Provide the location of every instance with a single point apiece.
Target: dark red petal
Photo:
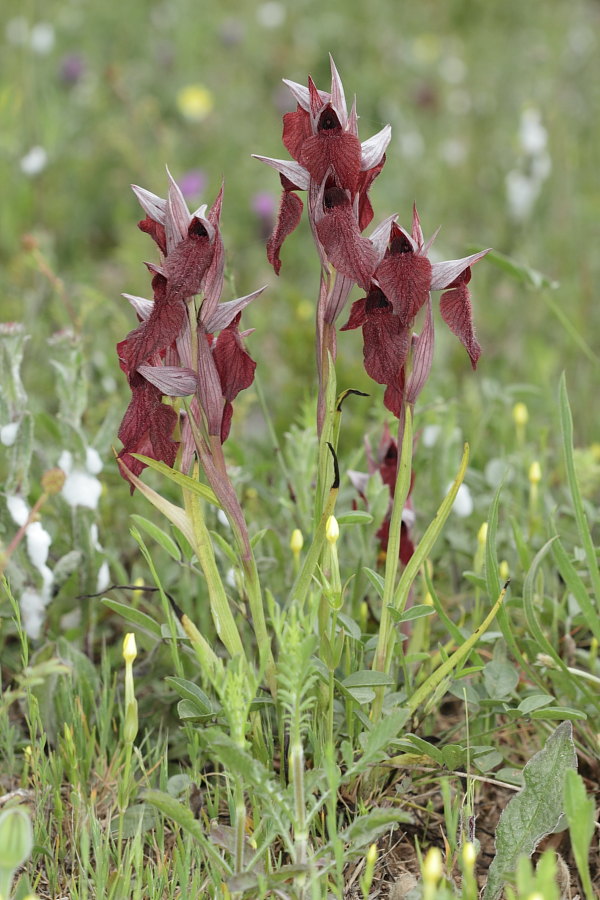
(186, 265)
(386, 344)
(159, 330)
(357, 315)
(407, 547)
(147, 426)
(336, 149)
(405, 279)
(455, 306)
(350, 253)
(156, 232)
(365, 180)
(393, 398)
(296, 129)
(290, 213)
(234, 364)
(226, 421)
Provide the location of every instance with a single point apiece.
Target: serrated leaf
(135, 616)
(534, 812)
(165, 541)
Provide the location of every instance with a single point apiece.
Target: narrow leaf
(136, 616)
(165, 541)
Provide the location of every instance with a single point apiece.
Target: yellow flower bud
(535, 473)
(332, 530)
(432, 866)
(296, 541)
(520, 415)
(129, 647)
(504, 571)
(469, 855)
(482, 534)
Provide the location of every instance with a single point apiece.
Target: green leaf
(378, 739)
(535, 701)
(500, 679)
(165, 541)
(375, 579)
(577, 587)
(184, 481)
(366, 828)
(180, 813)
(190, 691)
(135, 616)
(412, 743)
(415, 612)
(581, 816)
(357, 517)
(367, 678)
(535, 811)
(139, 817)
(558, 712)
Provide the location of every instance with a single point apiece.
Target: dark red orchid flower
(401, 285)
(337, 171)
(165, 357)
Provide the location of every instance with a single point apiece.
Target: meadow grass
(323, 775)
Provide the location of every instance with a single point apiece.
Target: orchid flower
(174, 351)
(401, 285)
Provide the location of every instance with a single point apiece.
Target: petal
(374, 148)
(358, 315)
(178, 215)
(336, 149)
(142, 306)
(225, 313)
(290, 213)
(234, 364)
(417, 231)
(444, 273)
(293, 171)
(404, 279)
(455, 306)
(422, 356)
(349, 252)
(386, 344)
(380, 236)
(338, 98)
(365, 180)
(153, 206)
(157, 332)
(296, 129)
(156, 232)
(172, 381)
(301, 94)
(188, 262)
(336, 300)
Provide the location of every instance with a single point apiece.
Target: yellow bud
(432, 867)
(482, 534)
(504, 571)
(520, 414)
(535, 896)
(372, 855)
(469, 855)
(139, 582)
(296, 541)
(332, 530)
(535, 473)
(428, 599)
(129, 648)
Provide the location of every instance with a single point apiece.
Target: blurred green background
(494, 109)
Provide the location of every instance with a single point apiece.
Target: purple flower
(192, 183)
(72, 68)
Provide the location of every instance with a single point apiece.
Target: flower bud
(469, 855)
(296, 542)
(482, 534)
(520, 415)
(53, 481)
(332, 530)
(129, 647)
(504, 571)
(16, 837)
(535, 473)
(432, 866)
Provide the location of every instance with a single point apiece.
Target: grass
(324, 775)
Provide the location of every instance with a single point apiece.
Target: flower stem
(382, 658)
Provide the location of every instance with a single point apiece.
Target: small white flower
(8, 433)
(82, 489)
(103, 579)
(93, 463)
(41, 39)
(18, 509)
(430, 435)
(463, 505)
(38, 544)
(532, 134)
(34, 161)
(32, 612)
(271, 15)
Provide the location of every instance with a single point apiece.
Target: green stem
(386, 638)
